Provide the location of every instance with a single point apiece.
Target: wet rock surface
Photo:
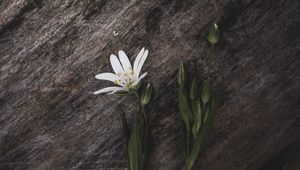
(50, 51)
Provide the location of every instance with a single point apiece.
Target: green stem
(189, 165)
(142, 109)
(188, 142)
(125, 126)
(136, 94)
(145, 119)
(142, 123)
(126, 133)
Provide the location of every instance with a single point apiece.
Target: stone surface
(50, 51)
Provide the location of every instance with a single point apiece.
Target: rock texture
(50, 51)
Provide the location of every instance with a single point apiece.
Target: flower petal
(107, 76)
(138, 59)
(139, 79)
(109, 89)
(124, 61)
(115, 63)
(142, 76)
(141, 63)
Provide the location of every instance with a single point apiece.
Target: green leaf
(132, 152)
(207, 110)
(205, 94)
(193, 90)
(201, 138)
(136, 145)
(184, 107)
(211, 109)
(125, 127)
(186, 115)
(197, 118)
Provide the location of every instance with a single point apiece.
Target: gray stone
(50, 51)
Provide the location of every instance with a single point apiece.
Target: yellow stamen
(117, 81)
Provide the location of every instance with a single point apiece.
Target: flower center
(126, 79)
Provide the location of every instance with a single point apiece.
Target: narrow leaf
(205, 94)
(125, 127)
(184, 107)
(197, 118)
(193, 90)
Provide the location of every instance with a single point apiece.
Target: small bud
(181, 75)
(213, 36)
(146, 95)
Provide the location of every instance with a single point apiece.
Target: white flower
(125, 76)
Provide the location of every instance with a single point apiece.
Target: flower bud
(181, 75)
(213, 36)
(146, 94)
